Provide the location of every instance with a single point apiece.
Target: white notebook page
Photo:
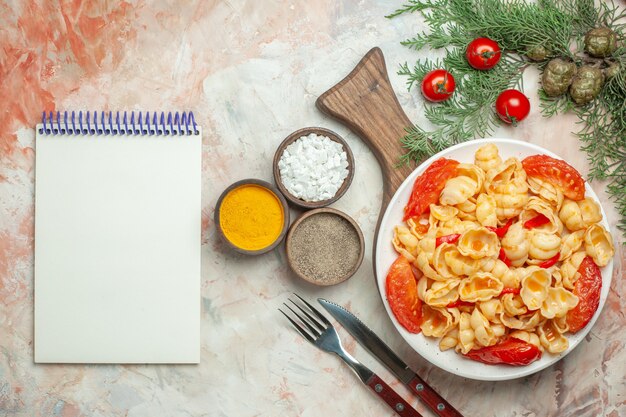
(117, 249)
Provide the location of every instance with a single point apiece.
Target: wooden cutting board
(366, 103)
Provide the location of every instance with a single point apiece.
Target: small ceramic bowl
(279, 197)
(292, 261)
(320, 132)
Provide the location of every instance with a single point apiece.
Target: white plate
(428, 347)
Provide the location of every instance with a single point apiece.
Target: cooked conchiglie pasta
(558, 302)
(461, 264)
(551, 339)
(405, 243)
(516, 244)
(571, 243)
(535, 207)
(544, 245)
(546, 191)
(569, 269)
(484, 276)
(599, 244)
(435, 321)
(487, 157)
(481, 286)
(479, 243)
(535, 288)
(441, 293)
(483, 333)
(486, 210)
(457, 190)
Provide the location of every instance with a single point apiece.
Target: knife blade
(379, 349)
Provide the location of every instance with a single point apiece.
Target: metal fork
(316, 328)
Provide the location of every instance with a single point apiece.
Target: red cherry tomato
(428, 186)
(438, 85)
(402, 295)
(511, 351)
(558, 173)
(483, 53)
(549, 262)
(587, 289)
(512, 106)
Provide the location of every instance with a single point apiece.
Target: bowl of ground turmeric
(252, 217)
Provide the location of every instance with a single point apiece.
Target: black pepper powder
(324, 247)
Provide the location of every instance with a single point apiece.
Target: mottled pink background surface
(251, 71)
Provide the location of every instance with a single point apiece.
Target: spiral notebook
(117, 238)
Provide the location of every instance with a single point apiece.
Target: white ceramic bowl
(428, 347)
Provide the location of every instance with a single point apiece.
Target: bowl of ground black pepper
(325, 246)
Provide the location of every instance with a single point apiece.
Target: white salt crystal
(313, 167)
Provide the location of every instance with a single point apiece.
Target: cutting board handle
(367, 104)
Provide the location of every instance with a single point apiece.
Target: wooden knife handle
(434, 401)
(393, 400)
(367, 104)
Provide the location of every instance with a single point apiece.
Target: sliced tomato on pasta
(401, 289)
(511, 351)
(428, 186)
(587, 289)
(556, 172)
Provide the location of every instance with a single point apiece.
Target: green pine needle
(517, 26)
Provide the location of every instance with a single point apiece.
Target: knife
(368, 339)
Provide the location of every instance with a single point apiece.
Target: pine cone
(557, 77)
(586, 85)
(537, 53)
(600, 42)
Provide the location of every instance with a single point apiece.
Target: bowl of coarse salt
(313, 167)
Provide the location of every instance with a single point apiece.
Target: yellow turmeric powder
(251, 217)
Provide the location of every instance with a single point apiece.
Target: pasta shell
(457, 190)
(405, 242)
(449, 340)
(599, 244)
(421, 262)
(544, 245)
(516, 244)
(435, 321)
(535, 288)
(537, 206)
(481, 286)
(513, 305)
(483, 333)
(569, 269)
(466, 334)
(577, 215)
(558, 303)
(439, 261)
(524, 322)
(460, 264)
(443, 213)
(571, 243)
(548, 192)
(487, 157)
(551, 339)
(479, 243)
(486, 210)
(419, 228)
(440, 294)
(474, 172)
(491, 309)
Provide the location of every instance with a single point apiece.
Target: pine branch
(518, 25)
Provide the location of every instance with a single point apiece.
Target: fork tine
(313, 319)
(298, 328)
(317, 313)
(316, 332)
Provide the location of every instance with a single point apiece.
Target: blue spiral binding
(144, 124)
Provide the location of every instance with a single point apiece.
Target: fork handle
(434, 401)
(393, 400)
